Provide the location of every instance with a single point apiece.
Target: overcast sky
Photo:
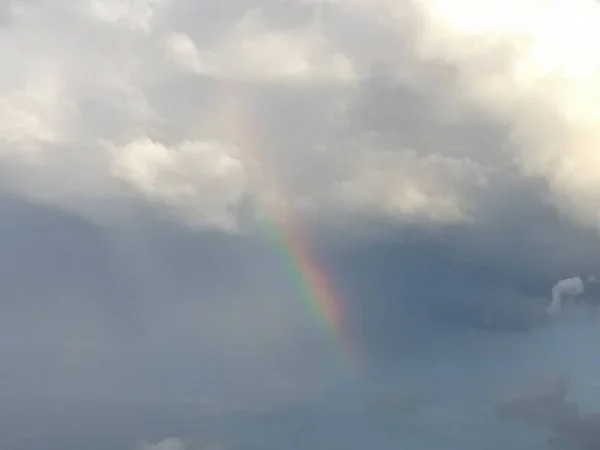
(437, 159)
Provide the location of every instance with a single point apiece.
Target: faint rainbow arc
(236, 125)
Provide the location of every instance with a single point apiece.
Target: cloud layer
(148, 149)
(292, 91)
(114, 103)
(530, 65)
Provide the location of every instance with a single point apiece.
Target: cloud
(511, 61)
(358, 109)
(182, 50)
(127, 114)
(174, 443)
(400, 183)
(167, 444)
(563, 290)
(250, 50)
(129, 78)
(138, 16)
(205, 115)
(437, 164)
(203, 181)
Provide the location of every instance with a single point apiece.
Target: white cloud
(34, 112)
(533, 65)
(78, 91)
(252, 51)
(89, 93)
(182, 50)
(174, 443)
(566, 289)
(201, 180)
(167, 444)
(402, 184)
(138, 15)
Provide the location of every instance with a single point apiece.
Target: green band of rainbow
(235, 123)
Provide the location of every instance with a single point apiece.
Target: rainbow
(235, 124)
(312, 281)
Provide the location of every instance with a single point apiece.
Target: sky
(173, 170)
